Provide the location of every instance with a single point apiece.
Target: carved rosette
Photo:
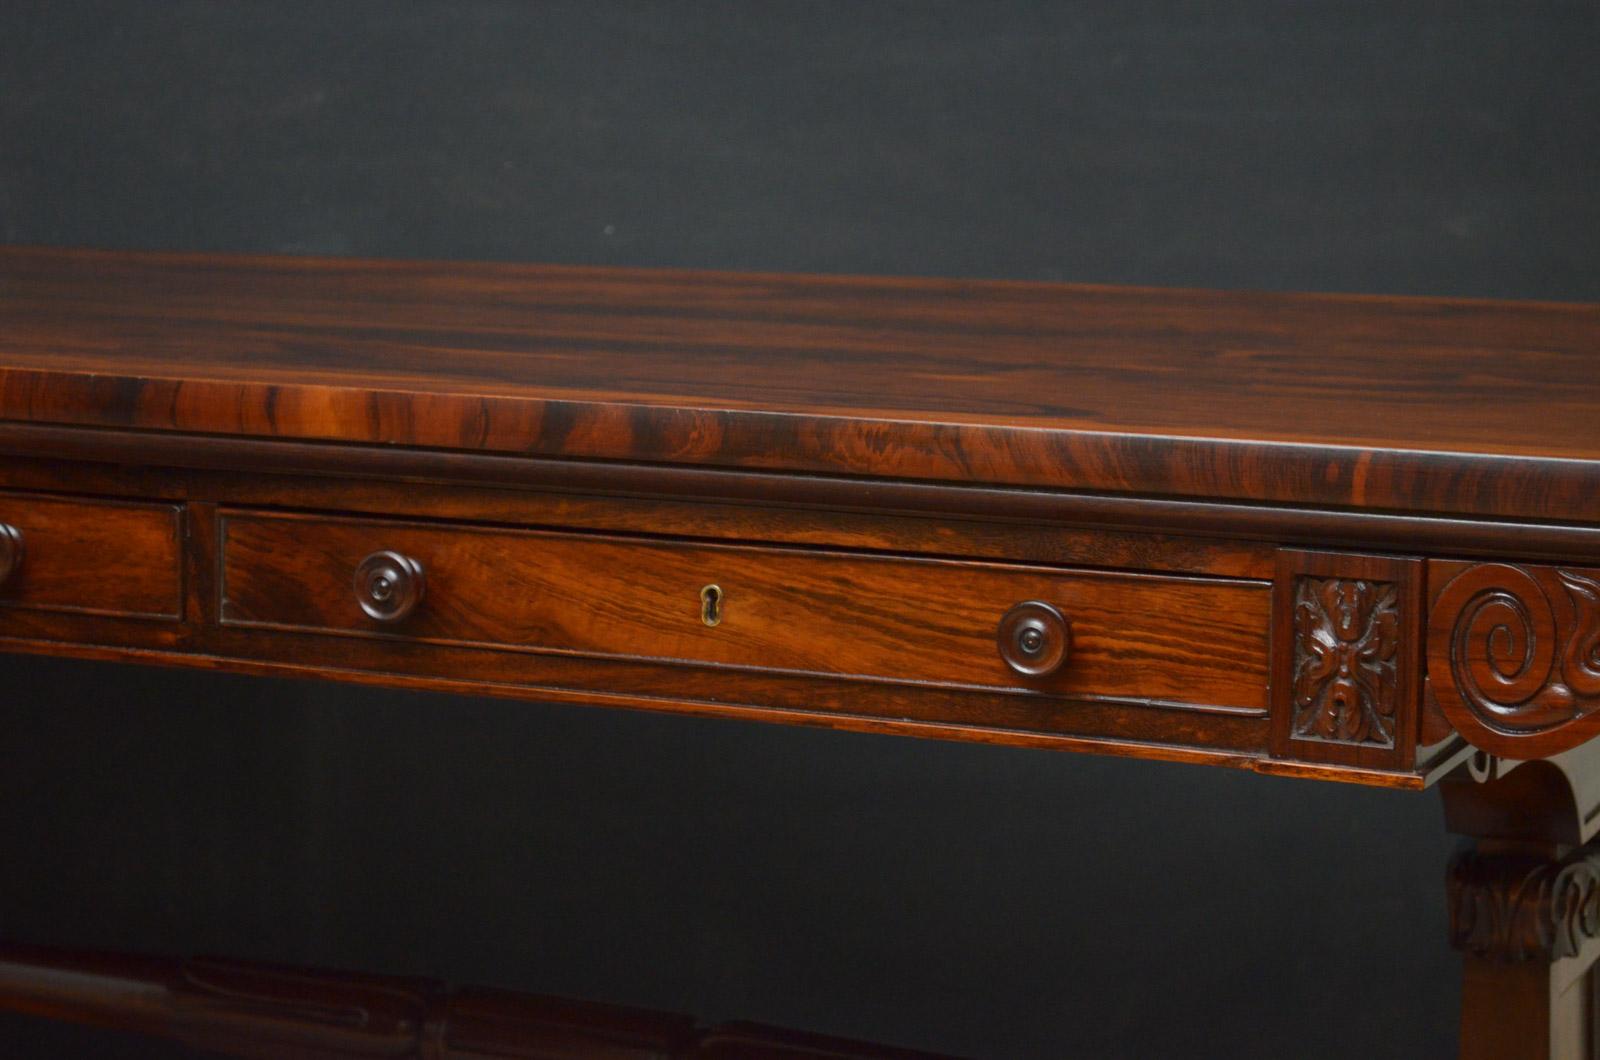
(1346, 640)
(1514, 653)
(1514, 907)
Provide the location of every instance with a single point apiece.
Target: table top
(1401, 404)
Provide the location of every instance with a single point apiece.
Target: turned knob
(389, 586)
(10, 551)
(1034, 639)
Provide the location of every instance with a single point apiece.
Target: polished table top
(1403, 404)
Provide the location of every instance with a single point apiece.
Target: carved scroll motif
(1515, 907)
(1514, 652)
(1347, 637)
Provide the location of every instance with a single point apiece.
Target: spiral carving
(1513, 651)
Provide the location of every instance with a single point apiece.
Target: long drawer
(1067, 632)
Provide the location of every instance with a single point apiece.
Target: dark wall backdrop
(1001, 903)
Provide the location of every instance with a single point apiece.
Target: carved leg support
(1524, 903)
(1526, 921)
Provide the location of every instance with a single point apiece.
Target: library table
(1334, 537)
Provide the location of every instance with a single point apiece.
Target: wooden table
(1343, 538)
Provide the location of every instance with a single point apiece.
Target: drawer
(91, 556)
(1178, 640)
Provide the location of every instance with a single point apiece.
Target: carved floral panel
(1347, 640)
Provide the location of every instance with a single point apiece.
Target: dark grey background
(1002, 903)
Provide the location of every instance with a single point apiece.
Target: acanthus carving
(1515, 907)
(1515, 652)
(1347, 638)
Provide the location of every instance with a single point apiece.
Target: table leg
(1524, 904)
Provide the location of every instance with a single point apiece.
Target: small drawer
(91, 556)
(1173, 640)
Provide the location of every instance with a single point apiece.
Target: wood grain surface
(1414, 405)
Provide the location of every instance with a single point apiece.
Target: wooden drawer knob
(389, 586)
(10, 551)
(1034, 639)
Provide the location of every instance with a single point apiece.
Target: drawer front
(91, 556)
(1138, 637)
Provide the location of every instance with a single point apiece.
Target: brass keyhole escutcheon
(711, 605)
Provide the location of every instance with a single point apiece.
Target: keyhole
(711, 605)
